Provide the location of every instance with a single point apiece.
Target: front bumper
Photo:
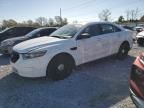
(5, 49)
(137, 101)
(35, 67)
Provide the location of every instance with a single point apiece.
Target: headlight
(7, 43)
(33, 54)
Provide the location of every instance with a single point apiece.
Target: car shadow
(99, 84)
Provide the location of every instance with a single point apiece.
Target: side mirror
(84, 36)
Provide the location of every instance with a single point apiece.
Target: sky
(80, 10)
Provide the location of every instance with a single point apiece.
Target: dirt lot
(100, 84)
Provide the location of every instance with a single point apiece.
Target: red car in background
(136, 82)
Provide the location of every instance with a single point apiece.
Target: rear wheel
(140, 41)
(60, 67)
(123, 51)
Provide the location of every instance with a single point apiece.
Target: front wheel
(123, 51)
(59, 68)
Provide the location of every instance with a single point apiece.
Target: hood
(36, 43)
(141, 34)
(15, 39)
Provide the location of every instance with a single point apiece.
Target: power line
(79, 5)
(88, 13)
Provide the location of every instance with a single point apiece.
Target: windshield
(5, 30)
(67, 31)
(33, 33)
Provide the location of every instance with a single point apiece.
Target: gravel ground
(99, 84)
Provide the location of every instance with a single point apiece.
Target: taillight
(141, 58)
(137, 74)
(137, 81)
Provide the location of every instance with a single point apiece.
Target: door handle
(99, 38)
(74, 48)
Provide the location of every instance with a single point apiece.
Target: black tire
(123, 51)
(60, 67)
(140, 41)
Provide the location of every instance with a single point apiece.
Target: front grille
(137, 74)
(14, 56)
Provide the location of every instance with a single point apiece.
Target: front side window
(33, 33)
(90, 31)
(43, 32)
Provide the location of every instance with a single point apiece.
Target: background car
(14, 32)
(6, 45)
(131, 29)
(128, 27)
(140, 38)
(136, 83)
(139, 29)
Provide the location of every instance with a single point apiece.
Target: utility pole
(61, 16)
(60, 12)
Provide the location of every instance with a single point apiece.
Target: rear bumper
(137, 101)
(136, 93)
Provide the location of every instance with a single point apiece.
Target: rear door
(110, 38)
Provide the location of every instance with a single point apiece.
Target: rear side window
(11, 31)
(116, 29)
(106, 28)
(46, 32)
(52, 30)
(26, 30)
(20, 31)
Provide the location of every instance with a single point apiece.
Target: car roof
(48, 27)
(91, 23)
(22, 27)
(43, 28)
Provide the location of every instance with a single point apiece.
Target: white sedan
(55, 56)
(140, 38)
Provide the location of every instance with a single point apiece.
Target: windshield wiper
(61, 37)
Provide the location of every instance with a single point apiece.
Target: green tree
(42, 21)
(9, 23)
(51, 22)
(120, 19)
(105, 15)
(29, 23)
(58, 20)
(142, 19)
(64, 21)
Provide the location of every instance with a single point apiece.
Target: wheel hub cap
(123, 51)
(61, 67)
